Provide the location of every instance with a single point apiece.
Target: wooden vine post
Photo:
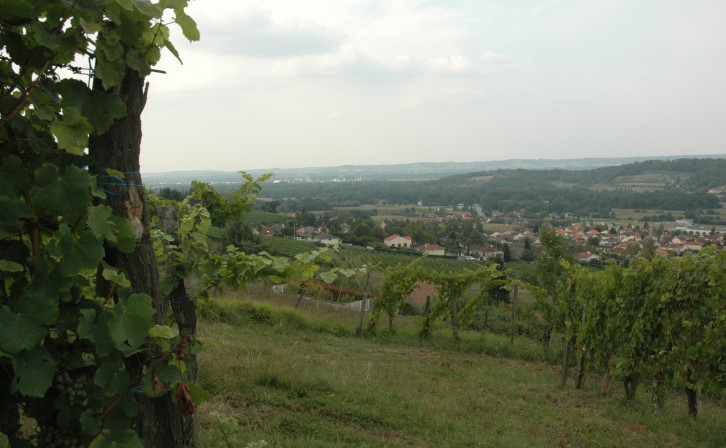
(514, 312)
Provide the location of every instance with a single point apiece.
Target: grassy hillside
(300, 378)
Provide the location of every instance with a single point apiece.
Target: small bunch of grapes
(54, 438)
(73, 388)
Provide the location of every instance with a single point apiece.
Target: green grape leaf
(11, 210)
(90, 423)
(4, 442)
(149, 9)
(63, 46)
(71, 130)
(10, 266)
(131, 322)
(115, 229)
(328, 277)
(111, 439)
(97, 106)
(66, 195)
(138, 61)
(187, 25)
(126, 4)
(90, 27)
(34, 371)
(161, 331)
(125, 240)
(174, 4)
(115, 173)
(115, 276)
(280, 264)
(111, 377)
(169, 374)
(41, 296)
(13, 177)
(198, 394)
(306, 257)
(110, 72)
(87, 324)
(78, 254)
(18, 331)
(169, 46)
(18, 9)
(168, 284)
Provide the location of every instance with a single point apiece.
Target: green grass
(280, 377)
(285, 247)
(257, 217)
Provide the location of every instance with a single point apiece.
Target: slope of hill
(280, 377)
(695, 175)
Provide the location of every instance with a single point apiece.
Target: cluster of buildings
(592, 241)
(595, 241)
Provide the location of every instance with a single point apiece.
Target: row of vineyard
(357, 256)
(285, 247)
(658, 322)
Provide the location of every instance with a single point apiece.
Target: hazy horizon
(502, 161)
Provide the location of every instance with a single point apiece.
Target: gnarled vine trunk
(158, 422)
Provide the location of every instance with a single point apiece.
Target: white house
(325, 239)
(431, 249)
(398, 241)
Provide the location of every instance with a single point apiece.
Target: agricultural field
(494, 227)
(256, 218)
(647, 181)
(626, 215)
(285, 247)
(389, 212)
(354, 257)
(284, 377)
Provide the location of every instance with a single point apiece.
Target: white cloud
(450, 64)
(256, 34)
(442, 95)
(490, 57)
(375, 80)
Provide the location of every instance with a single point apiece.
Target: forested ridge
(668, 185)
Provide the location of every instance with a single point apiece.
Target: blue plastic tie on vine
(141, 392)
(118, 181)
(178, 302)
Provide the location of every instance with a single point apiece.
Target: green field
(631, 215)
(280, 377)
(285, 247)
(256, 218)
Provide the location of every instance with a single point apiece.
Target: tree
(270, 206)
(507, 253)
(452, 288)
(65, 214)
(397, 286)
(171, 194)
(305, 218)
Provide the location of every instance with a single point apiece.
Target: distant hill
(694, 175)
(679, 184)
(409, 171)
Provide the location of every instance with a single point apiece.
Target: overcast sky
(292, 83)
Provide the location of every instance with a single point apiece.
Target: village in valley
(591, 241)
